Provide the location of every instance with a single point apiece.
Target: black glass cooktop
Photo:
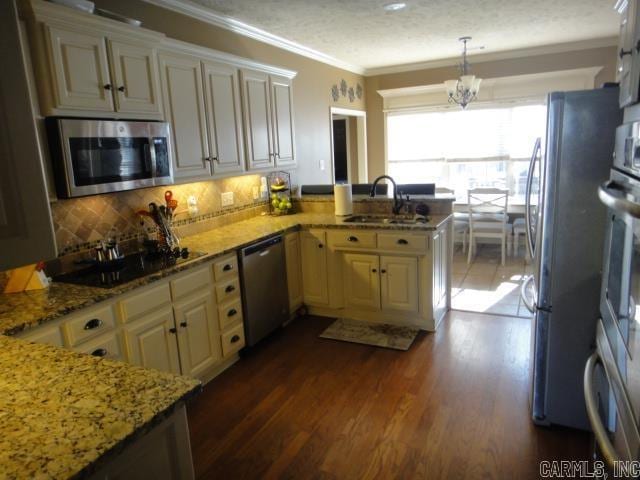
(126, 269)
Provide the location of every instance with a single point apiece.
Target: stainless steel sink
(388, 219)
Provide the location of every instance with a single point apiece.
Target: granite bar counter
(21, 311)
(64, 414)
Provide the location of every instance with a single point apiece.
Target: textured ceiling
(360, 32)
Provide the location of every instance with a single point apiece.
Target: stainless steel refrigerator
(565, 237)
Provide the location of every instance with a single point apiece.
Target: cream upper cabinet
(183, 94)
(399, 278)
(135, 77)
(257, 119)
(361, 280)
(81, 70)
(151, 341)
(294, 270)
(198, 334)
(314, 267)
(282, 113)
(224, 117)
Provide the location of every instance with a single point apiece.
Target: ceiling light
(464, 90)
(394, 7)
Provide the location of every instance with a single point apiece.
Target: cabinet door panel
(81, 70)
(135, 77)
(282, 106)
(314, 268)
(627, 63)
(184, 108)
(361, 280)
(256, 101)
(198, 334)
(151, 343)
(294, 270)
(399, 277)
(224, 119)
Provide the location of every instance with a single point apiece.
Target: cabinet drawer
(89, 325)
(233, 340)
(351, 238)
(402, 243)
(48, 335)
(105, 346)
(229, 314)
(227, 290)
(142, 303)
(191, 282)
(225, 268)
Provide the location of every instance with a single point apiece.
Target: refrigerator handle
(531, 305)
(527, 197)
(617, 200)
(600, 432)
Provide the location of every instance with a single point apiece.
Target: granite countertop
(438, 197)
(20, 311)
(63, 413)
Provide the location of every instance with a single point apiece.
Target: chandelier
(464, 90)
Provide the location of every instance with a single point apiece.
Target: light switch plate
(227, 199)
(264, 192)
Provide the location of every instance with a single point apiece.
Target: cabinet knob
(121, 88)
(173, 330)
(107, 86)
(227, 267)
(215, 159)
(235, 338)
(373, 270)
(383, 271)
(100, 352)
(320, 245)
(183, 324)
(229, 289)
(624, 52)
(402, 241)
(352, 239)
(93, 324)
(232, 312)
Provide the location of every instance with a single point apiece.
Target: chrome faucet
(398, 202)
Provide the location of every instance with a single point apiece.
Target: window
(462, 149)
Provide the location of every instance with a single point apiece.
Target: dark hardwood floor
(454, 406)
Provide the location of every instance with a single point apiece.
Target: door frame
(361, 122)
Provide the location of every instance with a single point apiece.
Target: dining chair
(460, 220)
(519, 228)
(488, 218)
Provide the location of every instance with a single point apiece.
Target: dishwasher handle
(261, 247)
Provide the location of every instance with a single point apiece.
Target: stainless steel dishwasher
(264, 288)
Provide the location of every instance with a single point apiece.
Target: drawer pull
(227, 267)
(373, 270)
(173, 330)
(320, 245)
(93, 324)
(352, 239)
(121, 88)
(183, 324)
(232, 312)
(402, 241)
(235, 338)
(100, 352)
(383, 271)
(229, 289)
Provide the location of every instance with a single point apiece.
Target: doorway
(348, 145)
(340, 150)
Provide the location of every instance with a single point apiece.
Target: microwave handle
(612, 195)
(148, 160)
(600, 432)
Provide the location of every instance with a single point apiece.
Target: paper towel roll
(342, 199)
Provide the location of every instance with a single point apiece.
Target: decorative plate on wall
(352, 95)
(343, 87)
(359, 91)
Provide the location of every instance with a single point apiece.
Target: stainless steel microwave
(101, 156)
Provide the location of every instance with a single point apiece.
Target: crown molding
(204, 14)
(490, 57)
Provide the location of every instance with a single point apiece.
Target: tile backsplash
(80, 222)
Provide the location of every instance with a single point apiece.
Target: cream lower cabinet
(198, 334)
(294, 270)
(314, 267)
(362, 280)
(151, 341)
(400, 283)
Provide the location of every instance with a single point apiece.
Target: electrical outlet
(256, 192)
(192, 204)
(227, 199)
(264, 192)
